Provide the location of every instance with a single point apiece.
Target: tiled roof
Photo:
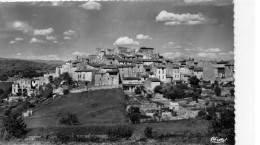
(131, 78)
(153, 80)
(160, 66)
(168, 76)
(142, 48)
(96, 64)
(112, 71)
(125, 65)
(109, 67)
(85, 70)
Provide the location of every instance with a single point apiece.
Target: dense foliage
(194, 81)
(222, 125)
(64, 78)
(68, 119)
(119, 132)
(12, 125)
(134, 114)
(23, 68)
(148, 132)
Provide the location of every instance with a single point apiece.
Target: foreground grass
(92, 108)
(193, 126)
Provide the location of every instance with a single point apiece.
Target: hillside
(24, 68)
(100, 107)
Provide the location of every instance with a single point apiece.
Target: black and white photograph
(118, 72)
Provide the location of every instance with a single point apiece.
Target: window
(163, 71)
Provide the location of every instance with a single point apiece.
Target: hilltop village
(147, 79)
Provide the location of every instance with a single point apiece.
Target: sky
(62, 30)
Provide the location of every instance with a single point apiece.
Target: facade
(176, 73)
(160, 73)
(151, 83)
(84, 75)
(198, 72)
(130, 83)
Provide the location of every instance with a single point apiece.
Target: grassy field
(100, 107)
(193, 126)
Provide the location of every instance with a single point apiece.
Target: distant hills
(56, 62)
(25, 68)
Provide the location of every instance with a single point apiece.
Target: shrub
(94, 138)
(148, 132)
(12, 125)
(68, 119)
(119, 132)
(158, 89)
(138, 90)
(217, 91)
(202, 114)
(66, 91)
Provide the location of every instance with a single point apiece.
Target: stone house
(127, 70)
(198, 72)
(130, 83)
(151, 83)
(169, 78)
(160, 72)
(176, 73)
(84, 75)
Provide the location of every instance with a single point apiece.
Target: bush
(119, 132)
(138, 90)
(12, 125)
(66, 91)
(158, 89)
(217, 91)
(202, 114)
(68, 119)
(148, 132)
(94, 138)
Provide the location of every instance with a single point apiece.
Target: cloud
(171, 45)
(43, 31)
(69, 33)
(12, 42)
(35, 40)
(91, 5)
(208, 55)
(125, 41)
(198, 1)
(18, 54)
(18, 39)
(171, 55)
(44, 57)
(55, 41)
(50, 38)
(67, 38)
(80, 53)
(182, 19)
(142, 36)
(213, 50)
(21, 26)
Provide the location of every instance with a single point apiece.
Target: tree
(217, 91)
(12, 125)
(138, 90)
(148, 132)
(232, 92)
(134, 114)
(222, 125)
(194, 81)
(68, 119)
(158, 89)
(1, 91)
(66, 77)
(174, 93)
